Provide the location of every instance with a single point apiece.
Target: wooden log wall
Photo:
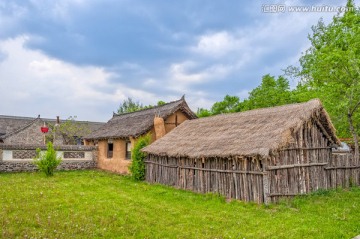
(298, 168)
(238, 178)
(343, 170)
(308, 164)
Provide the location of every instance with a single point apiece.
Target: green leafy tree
(201, 112)
(271, 92)
(69, 131)
(47, 161)
(160, 102)
(137, 167)
(331, 66)
(129, 105)
(229, 104)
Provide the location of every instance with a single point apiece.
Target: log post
(266, 188)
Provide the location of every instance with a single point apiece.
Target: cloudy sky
(84, 57)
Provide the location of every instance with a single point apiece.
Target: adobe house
(26, 130)
(258, 155)
(116, 138)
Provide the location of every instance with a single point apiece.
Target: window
(128, 150)
(110, 150)
(78, 140)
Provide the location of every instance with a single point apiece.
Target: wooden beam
(295, 166)
(318, 123)
(315, 148)
(342, 167)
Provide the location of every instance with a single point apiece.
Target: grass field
(95, 204)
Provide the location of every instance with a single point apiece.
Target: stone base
(29, 167)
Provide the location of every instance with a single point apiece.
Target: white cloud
(217, 44)
(41, 84)
(182, 76)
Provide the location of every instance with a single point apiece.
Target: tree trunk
(355, 137)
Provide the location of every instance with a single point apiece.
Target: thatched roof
(139, 122)
(249, 133)
(10, 125)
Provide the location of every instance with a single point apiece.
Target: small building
(259, 155)
(116, 138)
(26, 130)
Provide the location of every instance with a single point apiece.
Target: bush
(47, 161)
(137, 167)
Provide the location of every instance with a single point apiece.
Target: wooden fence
(239, 179)
(251, 179)
(343, 170)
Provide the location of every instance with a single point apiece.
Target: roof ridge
(154, 107)
(264, 109)
(21, 128)
(14, 117)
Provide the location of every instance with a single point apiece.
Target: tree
(69, 131)
(48, 161)
(229, 104)
(129, 105)
(160, 102)
(137, 167)
(271, 92)
(201, 112)
(332, 64)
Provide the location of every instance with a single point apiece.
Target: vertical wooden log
(246, 189)
(235, 178)
(265, 179)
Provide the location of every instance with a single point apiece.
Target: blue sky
(83, 58)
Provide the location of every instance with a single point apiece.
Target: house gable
(29, 134)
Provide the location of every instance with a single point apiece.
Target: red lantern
(44, 129)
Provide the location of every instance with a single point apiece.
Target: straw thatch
(250, 133)
(139, 122)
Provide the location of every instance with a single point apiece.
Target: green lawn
(95, 204)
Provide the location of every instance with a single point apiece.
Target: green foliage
(97, 204)
(129, 105)
(160, 102)
(229, 104)
(69, 130)
(47, 161)
(137, 167)
(271, 92)
(331, 68)
(201, 112)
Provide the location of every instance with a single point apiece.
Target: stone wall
(18, 158)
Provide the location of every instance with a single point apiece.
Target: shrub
(137, 167)
(47, 161)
